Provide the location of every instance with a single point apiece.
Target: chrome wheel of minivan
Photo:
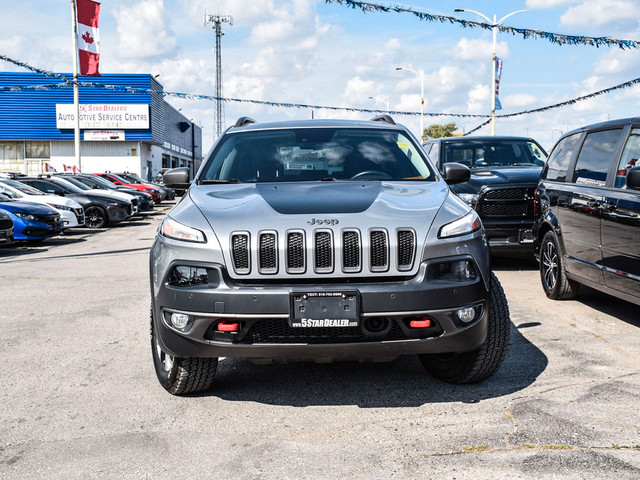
(554, 280)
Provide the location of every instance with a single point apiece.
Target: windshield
(130, 177)
(77, 183)
(95, 181)
(315, 154)
(21, 187)
(492, 153)
(68, 185)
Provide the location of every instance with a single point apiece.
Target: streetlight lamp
(421, 75)
(381, 100)
(494, 27)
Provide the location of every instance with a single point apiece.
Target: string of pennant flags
(526, 33)
(67, 82)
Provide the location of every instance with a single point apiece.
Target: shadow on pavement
(513, 263)
(402, 383)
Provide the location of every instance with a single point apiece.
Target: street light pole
(381, 100)
(421, 75)
(494, 27)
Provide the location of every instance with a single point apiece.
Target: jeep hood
(280, 206)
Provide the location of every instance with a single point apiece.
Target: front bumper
(262, 312)
(513, 236)
(119, 213)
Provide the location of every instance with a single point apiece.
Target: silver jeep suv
(322, 240)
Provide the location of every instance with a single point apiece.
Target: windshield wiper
(329, 179)
(217, 182)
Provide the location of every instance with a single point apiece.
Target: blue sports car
(31, 221)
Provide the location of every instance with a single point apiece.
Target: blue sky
(310, 52)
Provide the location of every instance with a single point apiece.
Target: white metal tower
(217, 21)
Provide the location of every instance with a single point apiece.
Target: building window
(37, 149)
(11, 151)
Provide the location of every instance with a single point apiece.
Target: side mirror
(633, 178)
(455, 173)
(177, 178)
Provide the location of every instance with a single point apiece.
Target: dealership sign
(101, 116)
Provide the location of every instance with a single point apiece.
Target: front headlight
(176, 230)
(60, 207)
(27, 216)
(463, 226)
(469, 198)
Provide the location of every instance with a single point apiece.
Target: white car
(71, 212)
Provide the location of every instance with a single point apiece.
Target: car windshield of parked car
(69, 186)
(77, 183)
(130, 178)
(498, 153)
(21, 187)
(316, 154)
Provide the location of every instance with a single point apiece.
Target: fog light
(454, 271)
(184, 275)
(180, 320)
(466, 314)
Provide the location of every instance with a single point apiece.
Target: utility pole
(217, 21)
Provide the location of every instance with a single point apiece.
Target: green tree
(438, 131)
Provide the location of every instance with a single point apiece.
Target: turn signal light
(228, 327)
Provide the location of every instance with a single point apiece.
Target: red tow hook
(424, 323)
(228, 327)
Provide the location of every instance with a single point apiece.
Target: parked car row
(36, 208)
(578, 212)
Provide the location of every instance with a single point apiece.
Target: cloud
(144, 30)
(540, 4)
(520, 101)
(601, 12)
(475, 49)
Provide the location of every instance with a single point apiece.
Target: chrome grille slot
(267, 252)
(296, 252)
(323, 261)
(406, 249)
(351, 251)
(379, 251)
(240, 253)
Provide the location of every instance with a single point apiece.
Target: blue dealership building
(125, 125)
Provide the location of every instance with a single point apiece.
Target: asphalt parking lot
(81, 399)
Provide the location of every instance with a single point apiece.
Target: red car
(117, 180)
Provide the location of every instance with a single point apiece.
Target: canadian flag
(71, 168)
(49, 168)
(88, 37)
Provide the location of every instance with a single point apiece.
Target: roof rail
(242, 121)
(383, 118)
(12, 175)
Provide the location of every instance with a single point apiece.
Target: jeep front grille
(295, 252)
(379, 251)
(323, 251)
(268, 253)
(351, 251)
(406, 248)
(240, 252)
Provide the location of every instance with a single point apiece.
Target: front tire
(480, 364)
(95, 217)
(180, 376)
(554, 279)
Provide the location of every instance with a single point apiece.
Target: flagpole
(76, 100)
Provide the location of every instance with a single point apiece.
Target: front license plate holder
(325, 309)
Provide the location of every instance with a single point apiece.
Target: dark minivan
(504, 175)
(589, 226)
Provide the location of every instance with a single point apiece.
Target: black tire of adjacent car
(180, 376)
(554, 279)
(482, 363)
(95, 217)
